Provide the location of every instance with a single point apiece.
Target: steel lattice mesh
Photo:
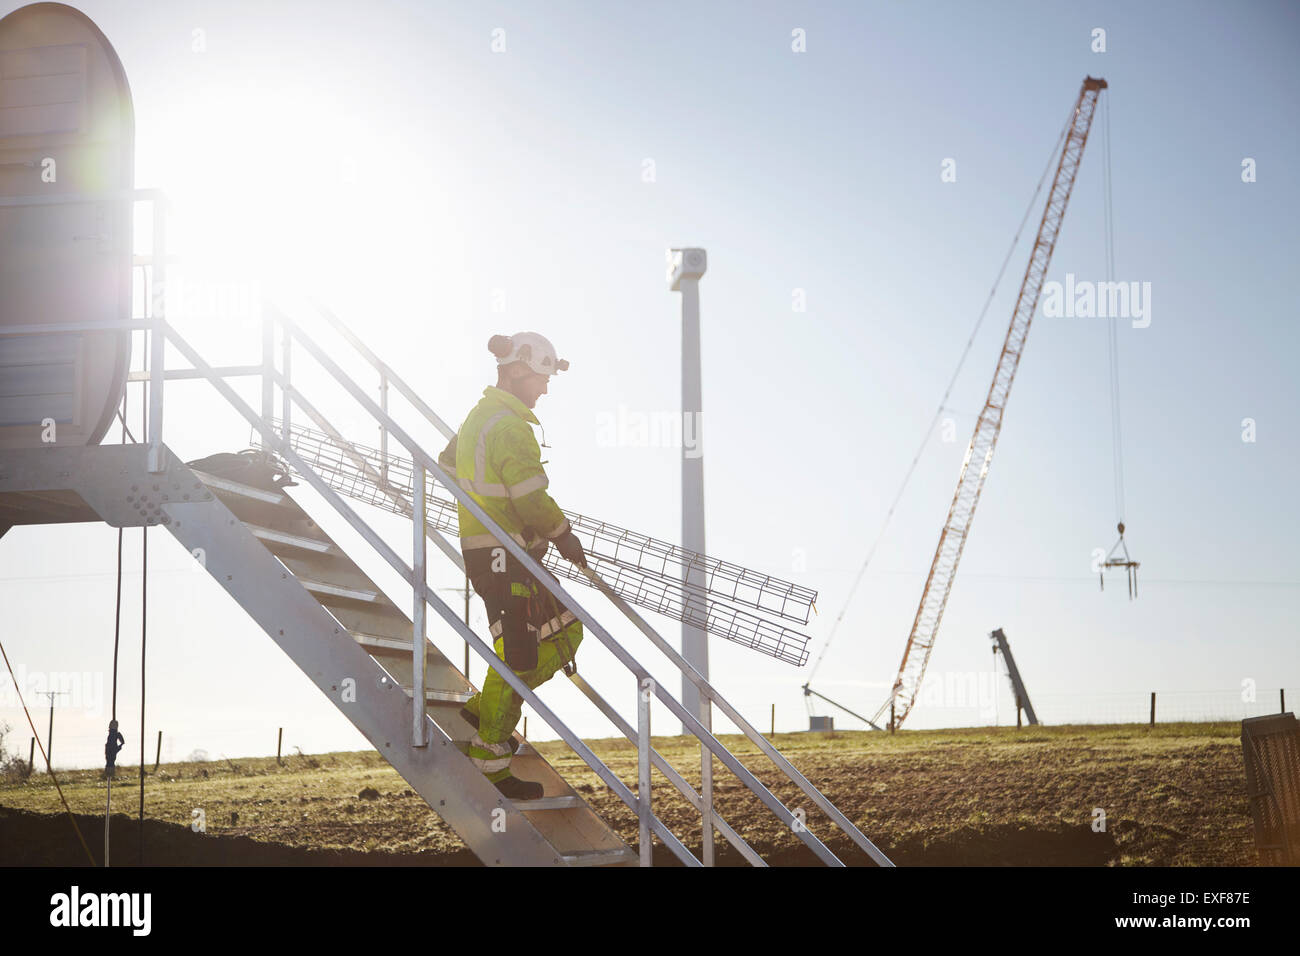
(644, 571)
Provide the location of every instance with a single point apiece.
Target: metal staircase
(568, 827)
(371, 658)
(338, 627)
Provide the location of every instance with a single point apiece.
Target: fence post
(31, 757)
(773, 722)
(1153, 708)
(157, 753)
(1282, 693)
(891, 716)
(279, 741)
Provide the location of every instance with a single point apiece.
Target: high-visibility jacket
(495, 458)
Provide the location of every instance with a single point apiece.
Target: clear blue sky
(383, 157)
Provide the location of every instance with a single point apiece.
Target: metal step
(601, 858)
(548, 803)
(446, 696)
(229, 487)
(340, 591)
(378, 641)
(301, 542)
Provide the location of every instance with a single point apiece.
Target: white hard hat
(535, 351)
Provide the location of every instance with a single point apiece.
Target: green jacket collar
(502, 397)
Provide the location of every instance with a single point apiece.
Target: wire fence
(1167, 706)
(83, 751)
(968, 703)
(984, 699)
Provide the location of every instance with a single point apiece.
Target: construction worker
(496, 459)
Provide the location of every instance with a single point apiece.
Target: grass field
(1172, 795)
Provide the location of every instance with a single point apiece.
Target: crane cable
(943, 401)
(1117, 445)
(115, 739)
(144, 607)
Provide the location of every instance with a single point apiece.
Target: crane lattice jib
(943, 570)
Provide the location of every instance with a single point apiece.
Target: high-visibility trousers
(532, 633)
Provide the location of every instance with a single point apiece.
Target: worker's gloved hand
(570, 548)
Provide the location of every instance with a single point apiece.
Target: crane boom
(979, 453)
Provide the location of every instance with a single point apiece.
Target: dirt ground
(1171, 795)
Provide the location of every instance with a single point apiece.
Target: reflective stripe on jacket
(496, 459)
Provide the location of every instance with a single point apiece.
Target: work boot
(517, 789)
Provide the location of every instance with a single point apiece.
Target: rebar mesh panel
(721, 578)
(667, 597)
(367, 474)
(356, 465)
(388, 482)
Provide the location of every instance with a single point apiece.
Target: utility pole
(685, 269)
(49, 736)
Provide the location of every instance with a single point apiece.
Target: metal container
(67, 140)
